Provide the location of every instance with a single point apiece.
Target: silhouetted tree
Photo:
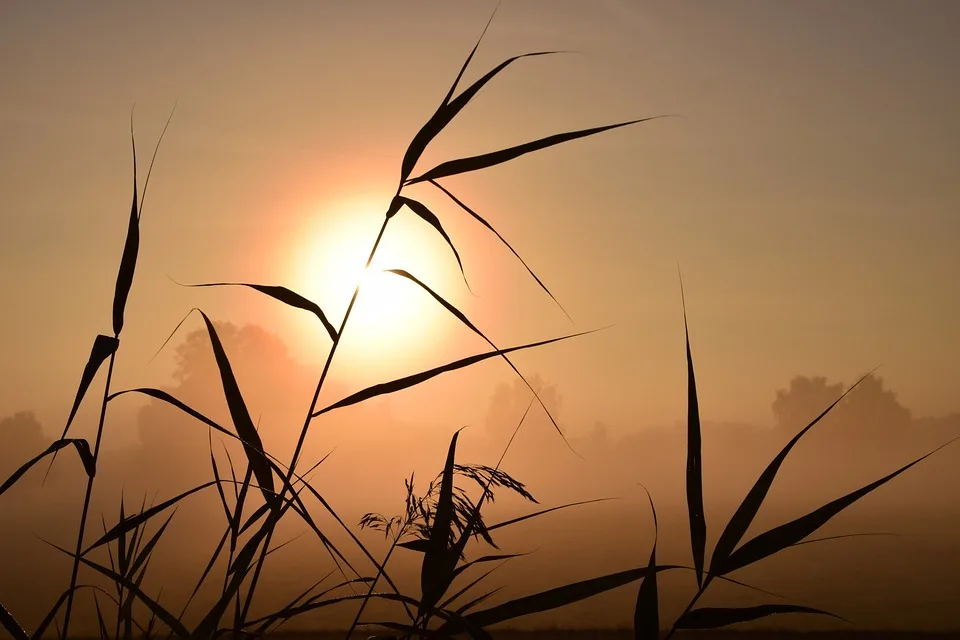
(510, 400)
(868, 409)
(21, 438)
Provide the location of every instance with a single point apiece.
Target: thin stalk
(86, 499)
(271, 523)
(690, 605)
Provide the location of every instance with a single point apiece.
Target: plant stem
(306, 426)
(693, 601)
(86, 499)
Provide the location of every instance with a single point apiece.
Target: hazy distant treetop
(866, 409)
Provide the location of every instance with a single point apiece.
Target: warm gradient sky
(809, 189)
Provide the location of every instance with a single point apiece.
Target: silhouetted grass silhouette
(441, 523)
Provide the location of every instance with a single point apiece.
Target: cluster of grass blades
(260, 490)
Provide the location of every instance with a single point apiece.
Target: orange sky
(809, 189)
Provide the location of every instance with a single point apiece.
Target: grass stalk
(86, 500)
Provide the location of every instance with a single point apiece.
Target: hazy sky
(809, 191)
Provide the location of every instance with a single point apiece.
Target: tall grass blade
(252, 445)
(439, 119)
(482, 221)
(446, 603)
(164, 616)
(486, 160)
(459, 315)
(437, 569)
(104, 634)
(103, 348)
(11, 625)
(83, 450)
(131, 523)
(428, 216)
(789, 534)
(410, 381)
(698, 523)
(646, 613)
(282, 294)
(740, 521)
(714, 617)
(163, 396)
(507, 523)
(560, 596)
(131, 246)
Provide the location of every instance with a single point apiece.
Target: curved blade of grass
(482, 221)
(714, 617)
(560, 596)
(646, 613)
(206, 571)
(459, 315)
(143, 555)
(131, 246)
(449, 109)
(476, 601)
(282, 294)
(740, 521)
(466, 565)
(133, 522)
(165, 616)
(103, 348)
(11, 625)
(507, 523)
(428, 216)
(216, 477)
(252, 445)
(237, 571)
(436, 124)
(841, 537)
(779, 538)
(436, 571)
(163, 396)
(698, 523)
(104, 634)
(483, 161)
(83, 450)
(409, 381)
(446, 603)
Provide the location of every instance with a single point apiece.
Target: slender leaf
(747, 511)
(459, 315)
(507, 523)
(714, 617)
(83, 450)
(131, 246)
(11, 625)
(428, 216)
(483, 161)
(698, 523)
(165, 616)
(646, 613)
(103, 348)
(560, 596)
(448, 110)
(789, 534)
(241, 417)
(418, 378)
(437, 568)
(133, 522)
(284, 295)
(482, 221)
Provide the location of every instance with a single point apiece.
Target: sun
(393, 321)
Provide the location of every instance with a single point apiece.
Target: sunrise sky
(808, 191)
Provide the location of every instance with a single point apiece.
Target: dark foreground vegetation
(441, 518)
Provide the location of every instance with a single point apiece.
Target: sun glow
(392, 320)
